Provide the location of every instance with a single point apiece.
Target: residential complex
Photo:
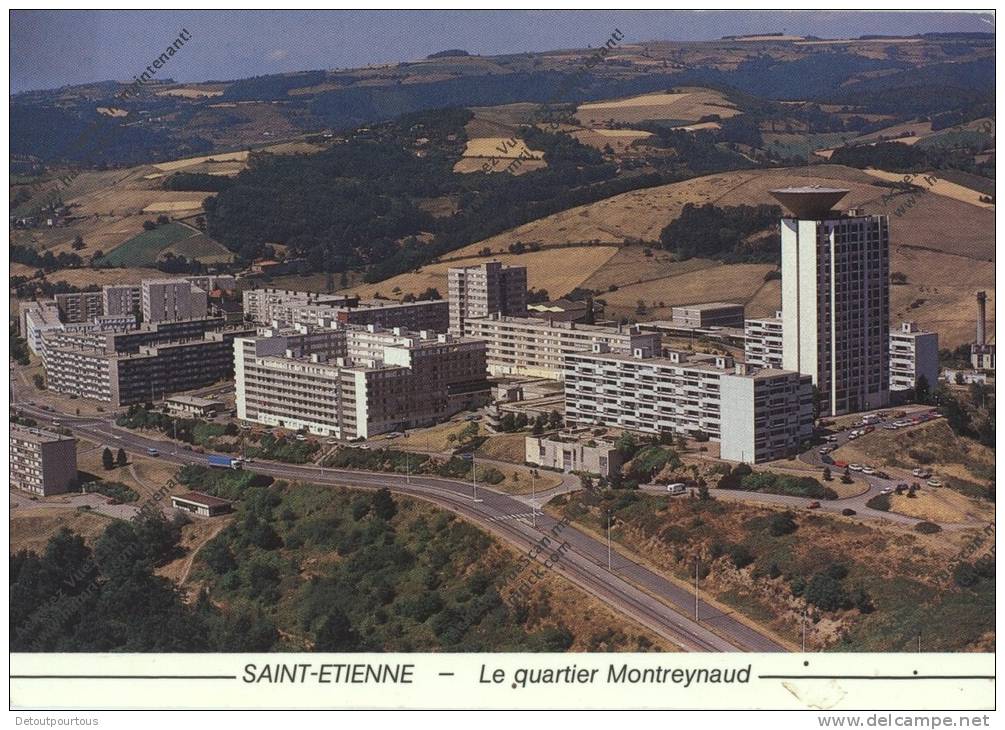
(537, 348)
(285, 308)
(167, 300)
(913, 354)
(356, 382)
(756, 415)
(42, 463)
(762, 344)
(80, 306)
(835, 298)
(713, 314)
(484, 290)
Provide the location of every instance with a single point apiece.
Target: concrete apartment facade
(42, 463)
(835, 298)
(762, 344)
(121, 299)
(713, 314)
(755, 415)
(360, 382)
(38, 319)
(80, 306)
(168, 300)
(481, 291)
(532, 347)
(913, 354)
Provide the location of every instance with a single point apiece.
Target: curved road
(648, 597)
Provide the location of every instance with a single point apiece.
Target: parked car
(847, 511)
(855, 467)
(886, 490)
(153, 452)
(933, 482)
(882, 474)
(868, 470)
(676, 488)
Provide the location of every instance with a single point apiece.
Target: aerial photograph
(409, 332)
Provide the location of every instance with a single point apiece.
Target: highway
(652, 600)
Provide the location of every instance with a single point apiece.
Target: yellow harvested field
(558, 271)
(173, 206)
(729, 282)
(190, 93)
(467, 165)
(505, 447)
(630, 133)
(100, 277)
(932, 183)
(941, 505)
(690, 105)
(112, 111)
(502, 147)
(190, 161)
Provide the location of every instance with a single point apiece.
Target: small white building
(913, 354)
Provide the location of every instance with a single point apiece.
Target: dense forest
(729, 234)
(298, 569)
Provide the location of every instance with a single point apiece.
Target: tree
(825, 592)
(107, 460)
(78, 243)
(782, 524)
(39, 381)
(827, 473)
(336, 633)
(120, 458)
(383, 504)
(922, 390)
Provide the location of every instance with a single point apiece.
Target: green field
(145, 248)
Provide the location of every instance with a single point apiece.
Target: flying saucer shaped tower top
(810, 202)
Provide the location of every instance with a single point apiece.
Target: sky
(54, 48)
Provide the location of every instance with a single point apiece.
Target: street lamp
(609, 542)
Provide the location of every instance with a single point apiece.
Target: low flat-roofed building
(712, 314)
(205, 505)
(573, 451)
(190, 405)
(41, 462)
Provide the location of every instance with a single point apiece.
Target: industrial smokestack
(982, 306)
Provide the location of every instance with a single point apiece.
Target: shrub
(880, 502)
(965, 575)
(740, 556)
(927, 528)
(782, 524)
(825, 592)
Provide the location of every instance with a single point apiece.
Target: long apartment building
(835, 298)
(135, 365)
(42, 463)
(80, 306)
(533, 347)
(913, 354)
(762, 343)
(755, 415)
(287, 308)
(480, 291)
(360, 382)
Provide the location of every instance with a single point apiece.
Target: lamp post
(609, 568)
(696, 561)
(533, 498)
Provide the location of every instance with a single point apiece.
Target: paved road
(655, 602)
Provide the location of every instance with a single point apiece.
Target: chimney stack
(982, 305)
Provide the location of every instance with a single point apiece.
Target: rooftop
(809, 202)
(206, 500)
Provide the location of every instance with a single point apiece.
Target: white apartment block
(913, 354)
(120, 299)
(168, 300)
(533, 347)
(42, 463)
(266, 306)
(835, 298)
(360, 383)
(762, 344)
(756, 415)
(484, 290)
(37, 319)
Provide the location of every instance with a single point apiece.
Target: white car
(933, 482)
(676, 489)
(868, 470)
(855, 467)
(852, 436)
(887, 490)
